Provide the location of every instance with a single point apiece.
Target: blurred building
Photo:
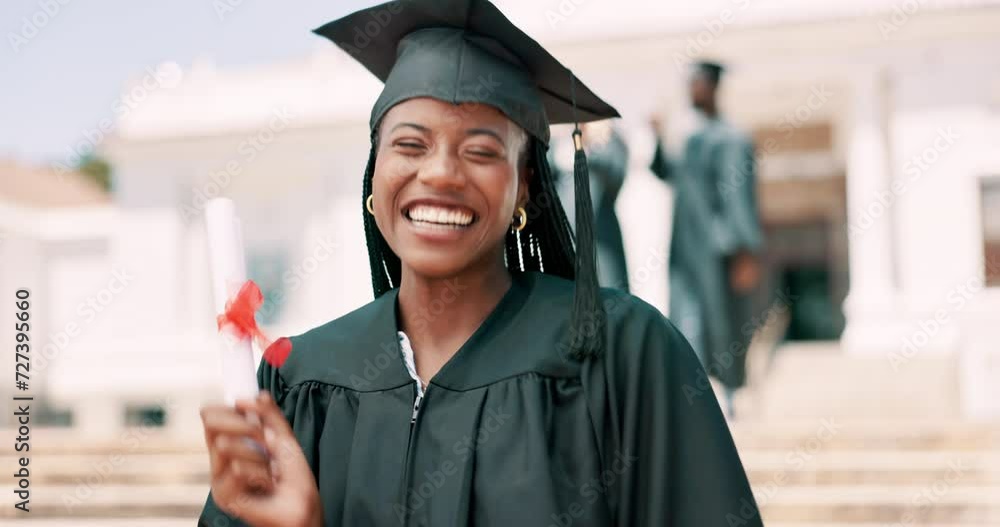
(875, 123)
(52, 225)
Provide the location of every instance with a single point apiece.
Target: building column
(871, 300)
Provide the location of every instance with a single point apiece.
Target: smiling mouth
(439, 217)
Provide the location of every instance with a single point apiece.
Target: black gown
(511, 432)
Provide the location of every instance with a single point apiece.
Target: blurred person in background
(716, 239)
(607, 157)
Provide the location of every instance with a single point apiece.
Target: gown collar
(469, 366)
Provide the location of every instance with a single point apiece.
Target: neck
(439, 314)
(710, 110)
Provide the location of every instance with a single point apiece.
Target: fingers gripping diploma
(259, 473)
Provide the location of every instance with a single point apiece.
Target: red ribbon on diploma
(239, 318)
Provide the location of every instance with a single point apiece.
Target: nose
(441, 170)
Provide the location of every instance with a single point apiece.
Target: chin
(435, 264)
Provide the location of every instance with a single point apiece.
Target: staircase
(888, 451)
(818, 473)
(828, 438)
(833, 472)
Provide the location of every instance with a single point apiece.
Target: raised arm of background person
(661, 166)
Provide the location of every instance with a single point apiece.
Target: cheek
(500, 190)
(388, 178)
(385, 195)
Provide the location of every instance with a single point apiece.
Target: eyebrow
(486, 131)
(419, 127)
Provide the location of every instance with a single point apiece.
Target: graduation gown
(511, 432)
(715, 217)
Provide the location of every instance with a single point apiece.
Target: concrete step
(101, 469)
(938, 503)
(114, 501)
(820, 379)
(906, 505)
(867, 524)
(826, 434)
(806, 473)
(872, 467)
(829, 433)
(188, 522)
(134, 440)
(836, 477)
(790, 467)
(109, 522)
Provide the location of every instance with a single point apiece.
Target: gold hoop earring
(369, 205)
(522, 219)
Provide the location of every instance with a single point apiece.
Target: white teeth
(440, 215)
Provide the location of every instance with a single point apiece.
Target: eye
(409, 147)
(484, 153)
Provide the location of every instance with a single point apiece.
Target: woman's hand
(259, 473)
(744, 272)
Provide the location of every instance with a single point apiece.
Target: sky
(63, 62)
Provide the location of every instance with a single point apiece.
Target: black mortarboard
(464, 51)
(467, 51)
(711, 70)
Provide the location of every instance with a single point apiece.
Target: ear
(524, 176)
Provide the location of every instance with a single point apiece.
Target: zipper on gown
(416, 403)
(419, 392)
(411, 368)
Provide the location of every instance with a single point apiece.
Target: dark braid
(380, 256)
(547, 229)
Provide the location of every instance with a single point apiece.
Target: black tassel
(587, 320)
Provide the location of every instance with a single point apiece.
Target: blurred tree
(97, 169)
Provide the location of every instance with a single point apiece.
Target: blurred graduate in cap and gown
(491, 382)
(716, 238)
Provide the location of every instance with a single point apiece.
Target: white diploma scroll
(229, 272)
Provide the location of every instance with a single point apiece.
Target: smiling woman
(490, 382)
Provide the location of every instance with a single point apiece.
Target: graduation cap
(711, 70)
(467, 51)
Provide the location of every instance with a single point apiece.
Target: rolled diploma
(229, 272)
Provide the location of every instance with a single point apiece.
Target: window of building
(145, 416)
